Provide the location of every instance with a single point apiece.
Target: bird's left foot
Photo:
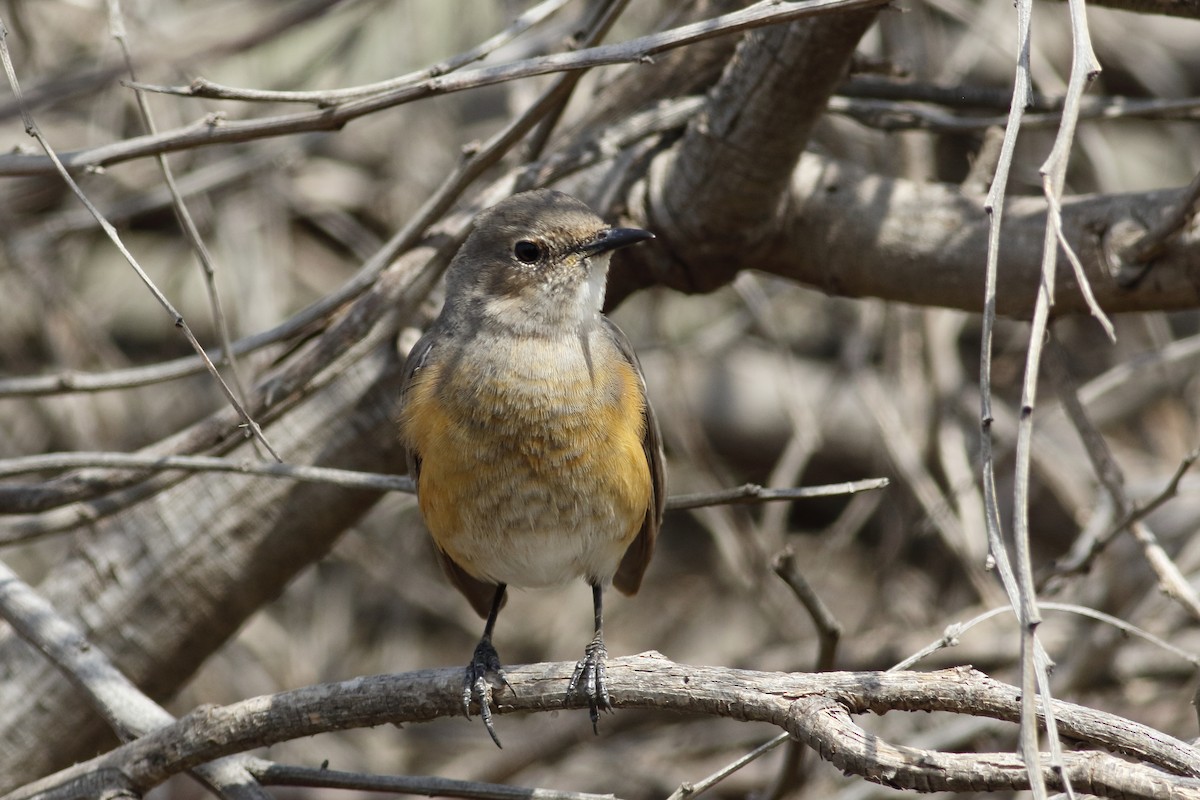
(589, 680)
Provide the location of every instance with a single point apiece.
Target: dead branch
(815, 708)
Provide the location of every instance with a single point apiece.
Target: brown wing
(417, 357)
(479, 593)
(633, 565)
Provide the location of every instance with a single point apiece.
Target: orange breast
(536, 475)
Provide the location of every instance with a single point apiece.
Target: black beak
(614, 239)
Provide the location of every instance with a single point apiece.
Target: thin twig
(829, 630)
(994, 206)
(691, 789)
(753, 493)
(339, 477)
(329, 97)
(349, 479)
(829, 633)
(1034, 669)
(1140, 511)
(1171, 579)
(271, 774)
(186, 223)
(213, 130)
(955, 631)
(1085, 552)
(176, 318)
(966, 96)
(605, 144)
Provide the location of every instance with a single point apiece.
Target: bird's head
(538, 259)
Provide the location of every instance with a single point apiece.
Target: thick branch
(853, 233)
(129, 712)
(813, 707)
(721, 189)
(166, 582)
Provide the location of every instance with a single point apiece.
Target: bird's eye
(526, 251)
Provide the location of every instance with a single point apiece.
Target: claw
(476, 685)
(589, 680)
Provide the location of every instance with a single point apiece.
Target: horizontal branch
(891, 115)
(19, 498)
(850, 232)
(215, 129)
(269, 774)
(815, 708)
(1187, 9)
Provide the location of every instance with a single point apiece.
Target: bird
(536, 455)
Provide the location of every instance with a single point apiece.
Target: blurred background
(761, 381)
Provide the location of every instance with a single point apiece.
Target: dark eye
(526, 251)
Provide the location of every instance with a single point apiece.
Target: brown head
(535, 263)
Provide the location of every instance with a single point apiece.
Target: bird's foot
(589, 680)
(476, 685)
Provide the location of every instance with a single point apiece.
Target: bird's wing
(417, 358)
(637, 557)
(479, 593)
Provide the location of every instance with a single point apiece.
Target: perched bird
(536, 455)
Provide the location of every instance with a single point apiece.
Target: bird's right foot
(476, 685)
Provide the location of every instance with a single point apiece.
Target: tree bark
(852, 233)
(160, 586)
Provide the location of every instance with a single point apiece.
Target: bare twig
(961, 95)
(1140, 511)
(1084, 69)
(11, 495)
(694, 789)
(184, 217)
(829, 630)
(212, 131)
(339, 477)
(994, 206)
(753, 493)
(270, 774)
(1172, 581)
(1086, 550)
(1034, 671)
(955, 631)
(176, 318)
(520, 25)
(606, 144)
(1085, 287)
(891, 115)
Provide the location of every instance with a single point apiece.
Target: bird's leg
(589, 678)
(485, 661)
